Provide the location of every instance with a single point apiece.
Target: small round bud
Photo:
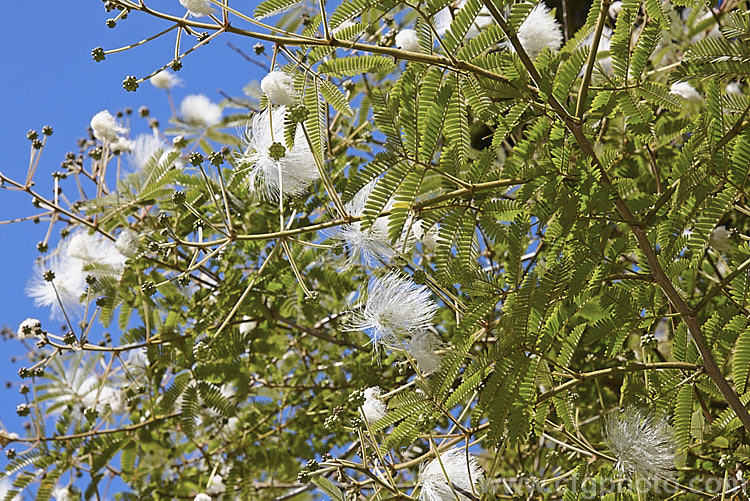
(90, 279)
(303, 476)
(69, 338)
(648, 340)
(277, 151)
(179, 142)
(91, 413)
(130, 84)
(96, 153)
(178, 198)
(42, 247)
(176, 65)
(183, 280)
(47, 130)
(36, 144)
(298, 114)
(163, 219)
(101, 301)
(148, 288)
(23, 410)
(24, 372)
(31, 135)
(153, 123)
(259, 48)
(153, 246)
(49, 275)
(195, 158)
(111, 22)
(216, 158)
(201, 352)
(24, 389)
(312, 465)
(10, 453)
(143, 111)
(98, 54)
(419, 277)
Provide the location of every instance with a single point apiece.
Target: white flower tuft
(395, 308)
(685, 91)
(198, 8)
(540, 29)
(68, 285)
(63, 494)
(202, 497)
(720, 239)
(642, 443)
(122, 145)
(457, 473)
(444, 18)
(374, 409)
(105, 127)
(734, 88)
(94, 249)
(198, 109)
(422, 348)
(145, 147)
(298, 170)
(127, 242)
(29, 328)
(165, 79)
(428, 238)
(614, 9)
(279, 88)
(247, 325)
(215, 485)
(407, 40)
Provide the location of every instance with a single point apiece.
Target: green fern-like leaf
(741, 361)
(355, 65)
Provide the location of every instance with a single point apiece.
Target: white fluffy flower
(198, 8)
(198, 109)
(407, 40)
(29, 328)
(6, 485)
(540, 29)
(95, 249)
(422, 346)
(444, 18)
(145, 147)
(720, 239)
(63, 494)
(373, 408)
(66, 288)
(614, 9)
(642, 443)
(165, 79)
(127, 242)
(428, 238)
(685, 91)
(279, 88)
(122, 145)
(733, 88)
(247, 326)
(215, 485)
(105, 127)
(202, 497)
(297, 166)
(457, 473)
(395, 308)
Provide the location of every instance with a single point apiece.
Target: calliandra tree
(447, 244)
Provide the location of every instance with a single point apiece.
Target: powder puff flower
(215, 485)
(373, 408)
(165, 79)
(202, 497)
(422, 346)
(614, 9)
(279, 88)
(122, 145)
(395, 308)
(297, 167)
(444, 18)
(198, 109)
(198, 8)
(685, 91)
(428, 238)
(65, 289)
(145, 147)
(127, 243)
(29, 328)
(247, 325)
(105, 127)
(407, 40)
(63, 494)
(94, 249)
(457, 473)
(720, 239)
(733, 88)
(540, 29)
(642, 443)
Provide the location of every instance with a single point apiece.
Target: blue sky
(50, 78)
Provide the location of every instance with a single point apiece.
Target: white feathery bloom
(29, 328)
(247, 326)
(165, 79)
(540, 29)
(422, 346)
(198, 8)
(395, 308)
(198, 109)
(95, 249)
(63, 494)
(642, 443)
(685, 91)
(99, 396)
(215, 485)
(733, 88)
(145, 147)
(373, 408)
(127, 242)
(428, 238)
(122, 145)
(720, 239)
(407, 40)
(202, 497)
(68, 284)
(105, 127)
(614, 9)
(298, 169)
(443, 19)
(457, 473)
(279, 88)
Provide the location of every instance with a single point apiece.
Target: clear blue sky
(50, 78)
